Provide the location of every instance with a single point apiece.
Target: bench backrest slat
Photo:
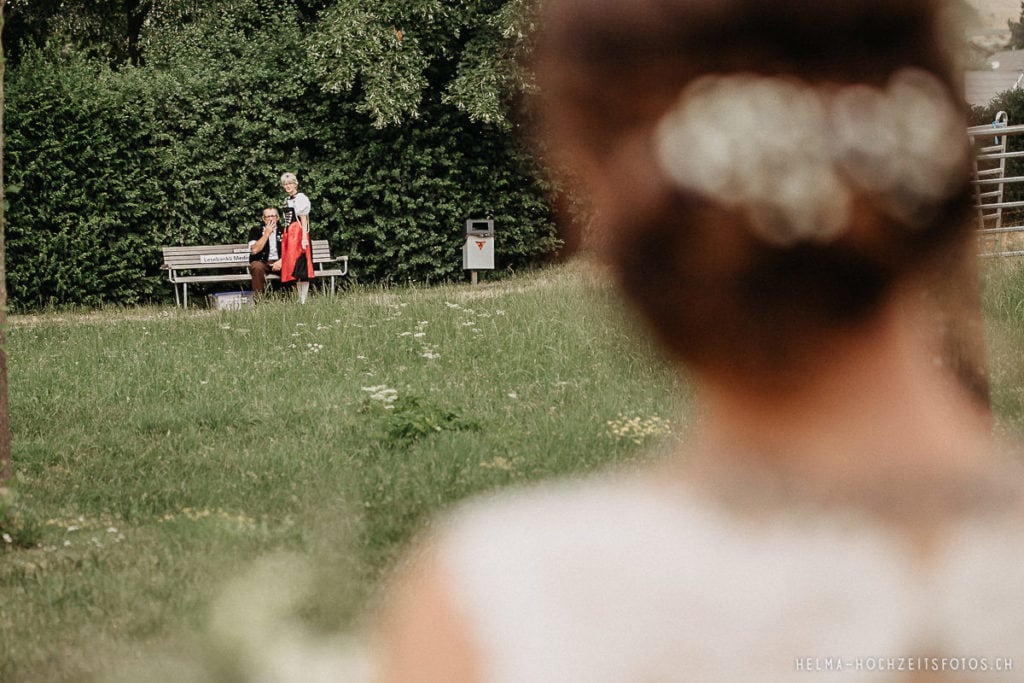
(221, 256)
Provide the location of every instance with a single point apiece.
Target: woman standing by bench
(296, 255)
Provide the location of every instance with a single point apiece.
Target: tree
(110, 29)
(394, 53)
(5, 412)
(1017, 31)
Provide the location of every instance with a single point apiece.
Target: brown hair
(608, 70)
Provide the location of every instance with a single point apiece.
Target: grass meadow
(204, 493)
(161, 454)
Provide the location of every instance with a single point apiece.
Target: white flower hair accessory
(792, 154)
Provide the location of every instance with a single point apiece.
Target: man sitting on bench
(264, 251)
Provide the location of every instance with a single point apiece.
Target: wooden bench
(230, 263)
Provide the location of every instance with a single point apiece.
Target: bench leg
(184, 289)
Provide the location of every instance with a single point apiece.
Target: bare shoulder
(445, 593)
(420, 634)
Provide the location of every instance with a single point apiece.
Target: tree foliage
(395, 53)
(1017, 31)
(106, 163)
(361, 42)
(490, 73)
(109, 29)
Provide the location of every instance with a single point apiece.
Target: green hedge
(106, 166)
(80, 223)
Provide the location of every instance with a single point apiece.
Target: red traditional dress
(296, 262)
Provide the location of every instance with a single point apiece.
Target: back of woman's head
(763, 173)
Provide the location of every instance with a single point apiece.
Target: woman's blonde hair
(289, 178)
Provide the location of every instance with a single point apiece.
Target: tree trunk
(5, 409)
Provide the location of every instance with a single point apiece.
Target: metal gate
(999, 187)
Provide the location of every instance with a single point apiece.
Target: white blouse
(300, 203)
(616, 579)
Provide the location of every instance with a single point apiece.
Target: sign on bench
(225, 258)
(230, 263)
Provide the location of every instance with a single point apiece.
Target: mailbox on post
(478, 251)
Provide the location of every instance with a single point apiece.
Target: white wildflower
(382, 393)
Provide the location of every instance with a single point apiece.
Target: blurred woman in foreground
(776, 184)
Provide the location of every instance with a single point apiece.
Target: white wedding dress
(624, 578)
